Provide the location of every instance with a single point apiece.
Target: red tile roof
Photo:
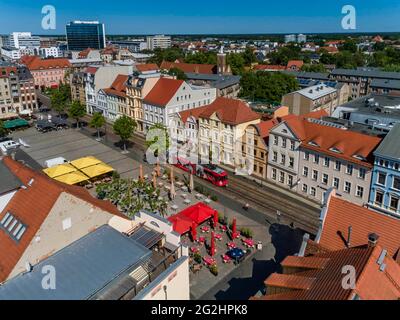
(6, 71)
(36, 63)
(326, 283)
(118, 87)
(341, 214)
(351, 146)
(31, 206)
(269, 67)
(295, 64)
(91, 70)
(230, 111)
(147, 67)
(190, 67)
(163, 91)
(84, 53)
(330, 49)
(196, 112)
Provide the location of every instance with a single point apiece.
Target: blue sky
(204, 16)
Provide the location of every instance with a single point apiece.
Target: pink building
(47, 72)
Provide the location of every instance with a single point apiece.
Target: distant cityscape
(163, 167)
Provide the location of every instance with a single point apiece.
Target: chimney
(349, 237)
(372, 239)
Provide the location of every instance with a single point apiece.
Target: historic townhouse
(137, 87)
(311, 156)
(47, 72)
(169, 96)
(385, 185)
(222, 125)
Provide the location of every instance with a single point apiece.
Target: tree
(178, 73)
(170, 54)
(313, 68)
(267, 86)
(237, 63)
(202, 58)
(97, 122)
(124, 127)
(60, 97)
(77, 111)
(349, 45)
(158, 150)
(3, 131)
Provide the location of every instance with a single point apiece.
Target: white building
(10, 53)
(49, 52)
(158, 41)
(170, 96)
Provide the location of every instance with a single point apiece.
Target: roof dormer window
(336, 150)
(313, 143)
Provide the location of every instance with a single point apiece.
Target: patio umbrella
(215, 224)
(141, 173)
(234, 228)
(154, 180)
(172, 190)
(212, 244)
(194, 231)
(191, 182)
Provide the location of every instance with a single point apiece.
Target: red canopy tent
(194, 231)
(194, 215)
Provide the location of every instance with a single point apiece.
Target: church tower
(222, 65)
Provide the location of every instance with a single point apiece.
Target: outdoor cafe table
(236, 253)
(202, 239)
(209, 261)
(223, 228)
(194, 249)
(205, 229)
(231, 245)
(218, 237)
(249, 243)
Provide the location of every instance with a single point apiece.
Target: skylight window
(313, 143)
(334, 149)
(12, 226)
(359, 157)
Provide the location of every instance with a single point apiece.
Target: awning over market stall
(194, 215)
(85, 162)
(16, 123)
(72, 178)
(60, 170)
(97, 170)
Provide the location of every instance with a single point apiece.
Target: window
(290, 180)
(275, 140)
(316, 158)
(382, 178)
(359, 192)
(283, 142)
(325, 179)
(305, 188)
(282, 177)
(66, 224)
(283, 159)
(396, 183)
(326, 162)
(306, 155)
(361, 173)
(291, 162)
(292, 145)
(313, 191)
(335, 183)
(275, 157)
(379, 198)
(394, 203)
(305, 171)
(273, 174)
(349, 169)
(315, 175)
(347, 187)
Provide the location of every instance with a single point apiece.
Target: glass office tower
(85, 34)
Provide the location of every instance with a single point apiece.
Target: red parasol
(234, 229)
(215, 219)
(212, 244)
(194, 231)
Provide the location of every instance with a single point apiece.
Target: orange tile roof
(269, 67)
(305, 262)
(84, 53)
(353, 146)
(190, 67)
(196, 112)
(91, 70)
(341, 214)
(329, 49)
(39, 64)
(147, 67)
(295, 63)
(118, 87)
(31, 206)
(230, 111)
(163, 91)
(371, 282)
